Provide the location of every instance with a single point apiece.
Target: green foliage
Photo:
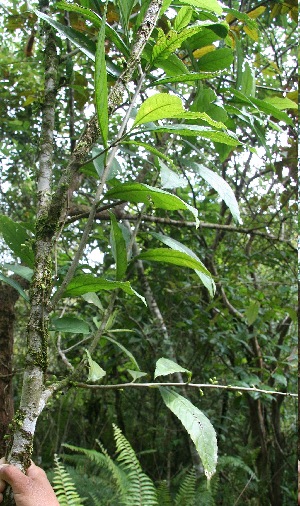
(64, 487)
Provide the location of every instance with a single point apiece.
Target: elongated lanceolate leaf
(118, 247)
(17, 239)
(173, 257)
(95, 371)
(198, 427)
(14, 284)
(164, 366)
(223, 189)
(79, 40)
(71, 325)
(206, 279)
(101, 92)
(208, 5)
(138, 192)
(185, 78)
(196, 131)
(88, 283)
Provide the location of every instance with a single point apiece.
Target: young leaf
(228, 138)
(164, 366)
(138, 192)
(86, 45)
(71, 325)
(223, 189)
(173, 257)
(17, 239)
(251, 312)
(15, 285)
(208, 5)
(136, 374)
(183, 18)
(207, 280)
(118, 247)
(95, 371)
(101, 92)
(88, 283)
(198, 427)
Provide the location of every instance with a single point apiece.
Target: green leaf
(79, 40)
(151, 149)
(163, 105)
(17, 239)
(127, 352)
(118, 245)
(183, 18)
(95, 371)
(172, 66)
(92, 298)
(251, 312)
(206, 279)
(216, 60)
(228, 138)
(111, 34)
(71, 325)
(100, 161)
(185, 78)
(262, 105)
(248, 80)
(198, 427)
(125, 8)
(20, 270)
(14, 284)
(208, 5)
(281, 103)
(86, 283)
(164, 367)
(138, 192)
(174, 257)
(101, 93)
(136, 374)
(169, 178)
(222, 187)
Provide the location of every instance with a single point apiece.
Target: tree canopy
(148, 248)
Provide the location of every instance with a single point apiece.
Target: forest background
(148, 224)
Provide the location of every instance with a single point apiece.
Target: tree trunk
(8, 299)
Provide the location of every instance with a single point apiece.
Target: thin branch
(183, 385)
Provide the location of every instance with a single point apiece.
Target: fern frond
(163, 494)
(187, 490)
(141, 490)
(64, 487)
(229, 461)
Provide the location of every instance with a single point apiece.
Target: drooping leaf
(15, 285)
(20, 270)
(71, 325)
(169, 178)
(207, 280)
(118, 245)
(248, 80)
(101, 93)
(17, 239)
(208, 5)
(264, 106)
(138, 192)
(222, 187)
(125, 350)
(86, 45)
(88, 283)
(95, 371)
(228, 138)
(164, 367)
(198, 427)
(174, 257)
(92, 298)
